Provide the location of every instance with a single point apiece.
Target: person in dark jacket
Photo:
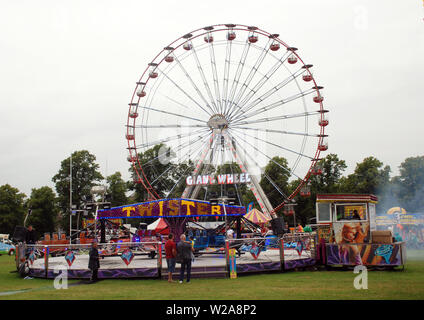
(184, 250)
(30, 235)
(93, 262)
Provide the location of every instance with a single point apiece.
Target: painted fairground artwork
(364, 254)
(351, 232)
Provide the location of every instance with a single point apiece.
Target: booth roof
(346, 197)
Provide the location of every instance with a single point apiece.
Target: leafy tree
(369, 176)
(274, 180)
(409, 185)
(329, 180)
(305, 206)
(326, 182)
(117, 187)
(12, 208)
(43, 204)
(179, 172)
(85, 175)
(157, 170)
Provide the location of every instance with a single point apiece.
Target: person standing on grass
(184, 250)
(171, 254)
(93, 262)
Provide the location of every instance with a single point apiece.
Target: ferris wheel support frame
(187, 193)
(255, 187)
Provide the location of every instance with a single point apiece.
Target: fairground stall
(348, 235)
(409, 227)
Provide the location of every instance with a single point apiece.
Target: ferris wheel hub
(218, 121)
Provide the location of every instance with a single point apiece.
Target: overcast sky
(68, 70)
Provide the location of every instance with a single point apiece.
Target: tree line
(50, 208)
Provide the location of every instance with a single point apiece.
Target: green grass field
(329, 285)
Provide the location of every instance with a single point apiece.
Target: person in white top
(230, 233)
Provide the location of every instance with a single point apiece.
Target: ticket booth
(348, 234)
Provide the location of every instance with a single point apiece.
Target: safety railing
(299, 245)
(253, 254)
(116, 255)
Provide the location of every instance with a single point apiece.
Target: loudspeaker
(19, 234)
(277, 225)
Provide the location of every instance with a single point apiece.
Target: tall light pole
(100, 190)
(70, 201)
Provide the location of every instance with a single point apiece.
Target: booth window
(351, 212)
(324, 212)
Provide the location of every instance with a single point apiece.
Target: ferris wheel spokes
(255, 187)
(173, 114)
(287, 116)
(200, 94)
(249, 77)
(215, 74)
(268, 157)
(279, 131)
(260, 84)
(186, 94)
(205, 152)
(176, 102)
(179, 148)
(275, 104)
(171, 126)
(184, 158)
(181, 177)
(178, 136)
(267, 94)
(226, 73)
(207, 165)
(205, 82)
(279, 146)
(265, 175)
(237, 76)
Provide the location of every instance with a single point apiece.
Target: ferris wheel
(227, 99)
